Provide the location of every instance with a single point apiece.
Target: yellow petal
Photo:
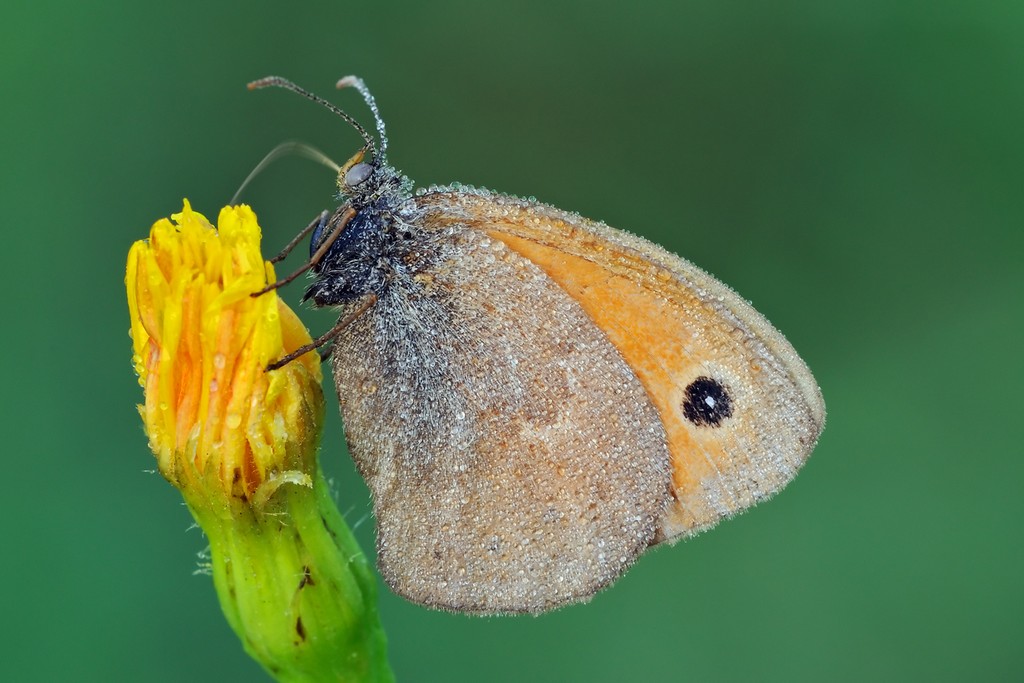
(201, 344)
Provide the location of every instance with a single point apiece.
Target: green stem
(296, 587)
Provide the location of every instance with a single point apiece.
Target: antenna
(371, 103)
(277, 81)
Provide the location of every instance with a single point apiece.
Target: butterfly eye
(358, 174)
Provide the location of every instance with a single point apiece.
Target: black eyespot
(707, 402)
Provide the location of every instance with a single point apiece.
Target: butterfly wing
(515, 459)
(740, 410)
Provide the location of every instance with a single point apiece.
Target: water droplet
(219, 361)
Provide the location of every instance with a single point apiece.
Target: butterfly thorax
(374, 244)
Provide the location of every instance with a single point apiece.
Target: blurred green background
(854, 167)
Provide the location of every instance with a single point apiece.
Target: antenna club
(349, 82)
(264, 82)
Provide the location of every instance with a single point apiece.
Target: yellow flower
(217, 422)
(240, 443)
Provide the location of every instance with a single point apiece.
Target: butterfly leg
(347, 214)
(364, 305)
(319, 221)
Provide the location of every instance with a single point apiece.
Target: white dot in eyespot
(358, 174)
(709, 401)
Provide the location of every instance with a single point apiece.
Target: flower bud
(240, 444)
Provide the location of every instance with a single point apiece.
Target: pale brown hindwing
(515, 460)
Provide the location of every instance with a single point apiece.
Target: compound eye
(357, 175)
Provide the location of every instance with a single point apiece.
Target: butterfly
(535, 398)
